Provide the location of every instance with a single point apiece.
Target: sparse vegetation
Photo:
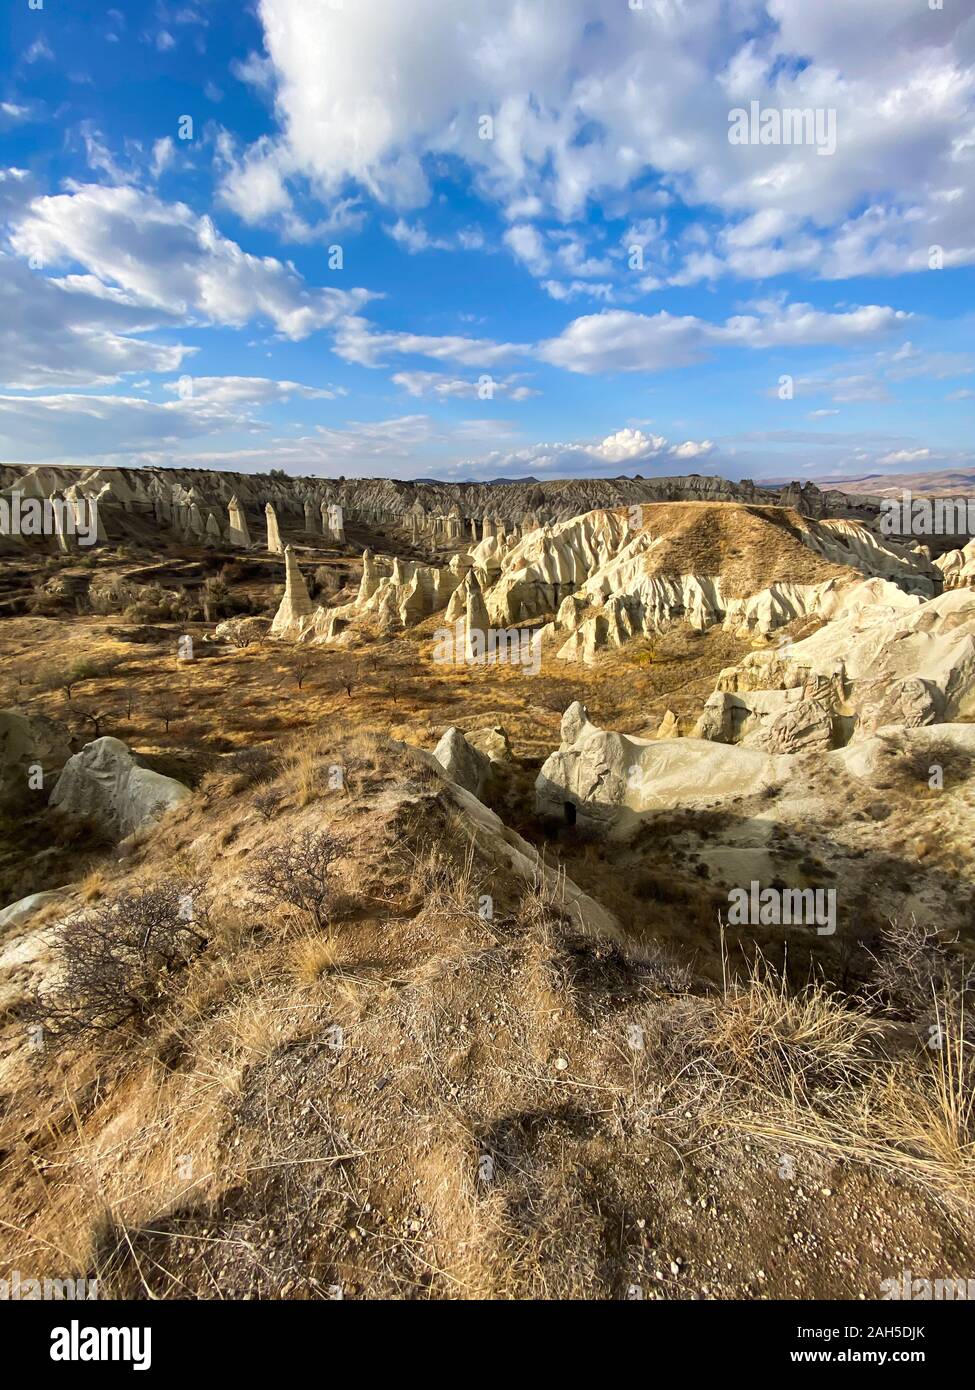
(115, 961)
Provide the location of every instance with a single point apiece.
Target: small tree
(115, 959)
(77, 672)
(299, 663)
(88, 714)
(299, 873)
(346, 676)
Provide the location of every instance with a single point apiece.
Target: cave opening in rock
(570, 812)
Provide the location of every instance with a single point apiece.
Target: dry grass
(314, 955)
(813, 1070)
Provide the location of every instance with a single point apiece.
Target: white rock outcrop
(463, 763)
(606, 781)
(104, 781)
(295, 612)
(33, 749)
(885, 658)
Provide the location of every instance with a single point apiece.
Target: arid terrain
(371, 871)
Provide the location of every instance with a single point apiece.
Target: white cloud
(356, 340)
(527, 245)
(39, 50)
(587, 99)
(247, 390)
(73, 332)
(163, 155)
(165, 256)
(628, 448)
(254, 186)
(618, 340)
(76, 426)
(445, 387)
(910, 456)
(415, 238)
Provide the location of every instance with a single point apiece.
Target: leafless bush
(267, 804)
(914, 968)
(299, 873)
(252, 765)
(114, 960)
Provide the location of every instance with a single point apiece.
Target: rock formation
(104, 781)
(885, 658)
(607, 781)
(295, 610)
(273, 534)
(238, 532)
(462, 762)
(33, 748)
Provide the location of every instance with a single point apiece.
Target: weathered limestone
(105, 782)
(333, 522)
(33, 748)
(273, 533)
(369, 582)
(462, 763)
(493, 743)
(958, 567)
(885, 658)
(476, 622)
(669, 726)
(214, 534)
(309, 509)
(238, 532)
(295, 610)
(607, 781)
(777, 721)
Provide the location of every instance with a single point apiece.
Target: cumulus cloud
(167, 257)
(628, 449)
(618, 340)
(584, 103)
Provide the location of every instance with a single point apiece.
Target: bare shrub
(914, 968)
(299, 873)
(252, 765)
(267, 804)
(115, 960)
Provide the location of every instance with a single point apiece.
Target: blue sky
(365, 237)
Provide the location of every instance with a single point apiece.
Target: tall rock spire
(296, 606)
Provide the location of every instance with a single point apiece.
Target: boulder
(463, 764)
(493, 743)
(28, 742)
(105, 782)
(912, 702)
(18, 913)
(805, 727)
